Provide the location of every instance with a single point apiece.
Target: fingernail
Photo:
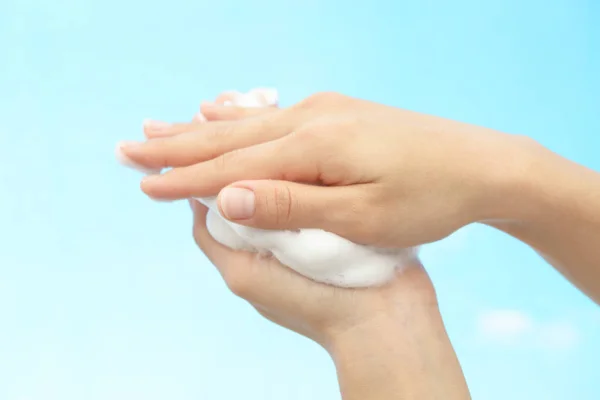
(161, 200)
(237, 203)
(199, 117)
(150, 178)
(129, 144)
(212, 106)
(152, 124)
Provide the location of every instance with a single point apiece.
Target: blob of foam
(314, 253)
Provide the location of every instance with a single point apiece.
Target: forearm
(553, 205)
(408, 356)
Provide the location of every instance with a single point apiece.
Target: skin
(387, 342)
(418, 177)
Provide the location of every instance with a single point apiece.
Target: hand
(418, 178)
(386, 342)
(157, 129)
(371, 173)
(318, 311)
(315, 310)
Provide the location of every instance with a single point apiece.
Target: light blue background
(102, 292)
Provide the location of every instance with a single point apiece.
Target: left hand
(385, 341)
(315, 310)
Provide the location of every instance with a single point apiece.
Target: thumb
(270, 204)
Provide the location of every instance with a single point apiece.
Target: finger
(216, 112)
(208, 140)
(257, 97)
(281, 159)
(229, 105)
(268, 98)
(209, 246)
(228, 97)
(199, 117)
(269, 204)
(244, 273)
(155, 129)
(158, 129)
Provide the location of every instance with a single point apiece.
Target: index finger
(209, 140)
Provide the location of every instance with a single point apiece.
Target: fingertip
(151, 186)
(270, 96)
(154, 125)
(215, 112)
(169, 186)
(127, 154)
(125, 146)
(199, 117)
(153, 128)
(158, 129)
(230, 96)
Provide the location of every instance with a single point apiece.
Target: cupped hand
(318, 311)
(371, 173)
(385, 341)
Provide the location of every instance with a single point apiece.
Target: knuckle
(312, 136)
(236, 282)
(279, 209)
(260, 124)
(222, 130)
(197, 236)
(318, 140)
(224, 161)
(329, 131)
(379, 219)
(319, 99)
(215, 139)
(361, 219)
(242, 113)
(261, 115)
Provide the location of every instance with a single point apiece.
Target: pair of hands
(374, 174)
(381, 176)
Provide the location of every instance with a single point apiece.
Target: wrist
(551, 204)
(510, 178)
(406, 354)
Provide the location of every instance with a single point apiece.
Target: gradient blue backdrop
(102, 292)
